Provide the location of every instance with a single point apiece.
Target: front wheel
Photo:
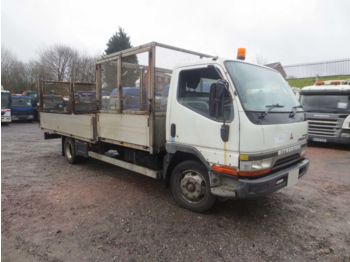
(190, 186)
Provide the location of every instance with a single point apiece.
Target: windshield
(5, 100)
(326, 103)
(260, 88)
(21, 101)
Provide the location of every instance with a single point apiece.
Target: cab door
(189, 122)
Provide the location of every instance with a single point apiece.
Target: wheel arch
(177, 154)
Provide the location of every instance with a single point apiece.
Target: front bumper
(333, 140)
(5, 119)
(231, 187)
(22, 117)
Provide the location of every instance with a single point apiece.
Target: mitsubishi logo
(291, 136)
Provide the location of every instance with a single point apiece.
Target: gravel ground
(53, 211)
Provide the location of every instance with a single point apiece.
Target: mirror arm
(223, 110)
(225, 129)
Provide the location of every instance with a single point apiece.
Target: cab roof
(218, 60)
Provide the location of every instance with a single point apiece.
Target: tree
(83, 69)
(58, 62)
(33, 72)
(63, 63)
(118, 42)
(13, 75)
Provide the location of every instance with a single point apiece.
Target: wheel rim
(69, 151)
(193, 186)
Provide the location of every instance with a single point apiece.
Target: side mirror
(217, 94)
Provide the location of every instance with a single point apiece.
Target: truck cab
(22, 108)
(248, 127)
(327, 110)
(5, 107)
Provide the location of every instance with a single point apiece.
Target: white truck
(209, 128)
(5, 106)
(327, 110)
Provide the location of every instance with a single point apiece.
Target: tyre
(190, 186)
(69, 150)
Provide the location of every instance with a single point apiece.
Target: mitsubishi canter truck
(209, 127)
(327, 110)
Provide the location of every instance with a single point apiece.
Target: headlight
(345, 135)
(255, 165)
(346, 123)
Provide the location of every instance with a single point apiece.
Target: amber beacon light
(241, 53)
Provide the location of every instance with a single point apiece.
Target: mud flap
(51, 136)
(81, 148)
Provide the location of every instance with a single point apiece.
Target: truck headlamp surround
(255, 165)
(248, 169)
(345, 135)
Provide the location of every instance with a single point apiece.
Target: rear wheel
(69, 150)
(190, 186)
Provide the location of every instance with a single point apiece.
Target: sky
(289, 31)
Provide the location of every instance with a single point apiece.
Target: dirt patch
(53, 211)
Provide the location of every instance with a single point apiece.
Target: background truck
(209, 127)
(34, 96)
(5, 106)
(327, 110)
(22, 108)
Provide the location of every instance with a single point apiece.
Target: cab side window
(194, 91)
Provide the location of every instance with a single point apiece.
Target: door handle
(173, 130)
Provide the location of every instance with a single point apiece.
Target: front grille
(21, 113)
(322, 127)
(286, 161)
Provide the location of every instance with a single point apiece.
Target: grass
(310, 81)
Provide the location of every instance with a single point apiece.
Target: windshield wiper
(294, 111)
(269, 108)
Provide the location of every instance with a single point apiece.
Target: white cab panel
(265, 138)
(200, 132)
